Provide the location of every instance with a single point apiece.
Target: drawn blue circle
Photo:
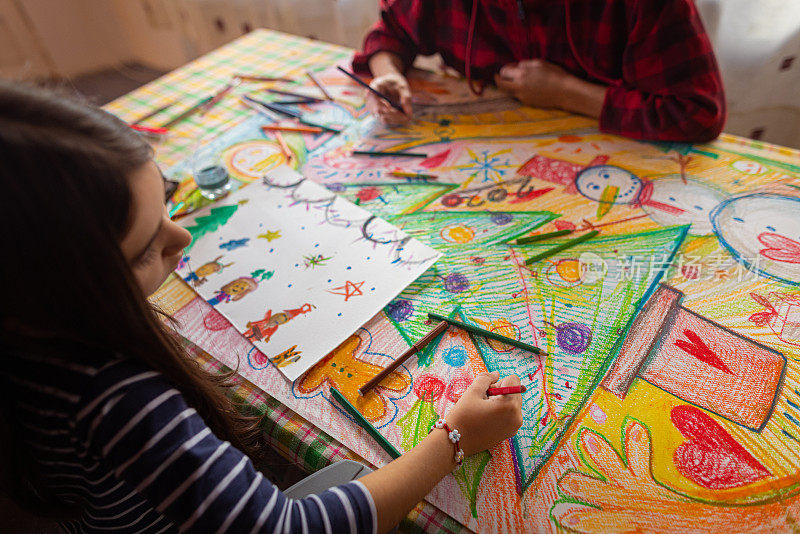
(455, 356)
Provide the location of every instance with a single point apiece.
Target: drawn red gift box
(699, 361)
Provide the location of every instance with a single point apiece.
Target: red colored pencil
(148, 129)
(506, 391)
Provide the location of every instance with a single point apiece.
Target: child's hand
(485, 421)
(395, 86)
(534, 82)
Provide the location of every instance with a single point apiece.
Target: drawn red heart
(779, 247)
(711, 457)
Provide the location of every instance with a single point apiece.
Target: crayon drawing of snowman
(673, 200)
(762, 232)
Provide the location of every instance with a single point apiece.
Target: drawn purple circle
(400, 310)
(573, 338)
(336, 187)
(501, 218)
(456, 283)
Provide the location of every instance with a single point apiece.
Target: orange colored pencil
(296, 129)
(284, 147)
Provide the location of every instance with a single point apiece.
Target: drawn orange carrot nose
(779, 247)
(607, 198)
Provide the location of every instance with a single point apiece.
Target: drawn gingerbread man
(344, 371)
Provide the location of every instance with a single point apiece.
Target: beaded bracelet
(455, 437)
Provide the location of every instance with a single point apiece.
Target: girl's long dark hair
(65, 204)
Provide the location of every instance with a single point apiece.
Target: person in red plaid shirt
(645, 69)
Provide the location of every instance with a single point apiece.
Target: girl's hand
(534, 82)
(485, 421)
(395, 86)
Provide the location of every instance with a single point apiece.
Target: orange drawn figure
(344, 371)
(289, 356)
(262, 330)
(628, 499)
(198, 276)
(240, 287)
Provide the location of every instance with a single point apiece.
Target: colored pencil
(381, 153)
(414, 175)
(187, 113)
(319, 85)
(296, 101)
(251, 78)
(487, 334)
(564, 246)
(506, 391)
(288, 112)
(259, 107)
(541, 237)
(415, 348)
(366, 425)
(219, 96)
(284, 147)
(153, 113)
(296, 129)
(296, 95)
(375, 92)
(147, 129)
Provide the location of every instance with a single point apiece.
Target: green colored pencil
(486, 333)
(563, 246)
(398, 153)
(366, 425)
(541, 237)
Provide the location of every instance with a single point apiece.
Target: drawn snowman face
(673, 202)
(762, 231)
(609, 184)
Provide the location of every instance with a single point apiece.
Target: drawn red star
(349, 289)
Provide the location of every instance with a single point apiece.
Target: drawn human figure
(237, 289)
(263, 329)
(198, 276)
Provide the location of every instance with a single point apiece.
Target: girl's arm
(482, 422)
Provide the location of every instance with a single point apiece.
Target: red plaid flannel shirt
(654, 55)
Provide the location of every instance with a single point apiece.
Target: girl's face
(154, 244)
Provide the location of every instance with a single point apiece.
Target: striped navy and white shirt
(115, 438)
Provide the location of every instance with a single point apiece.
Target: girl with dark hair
(104, 419)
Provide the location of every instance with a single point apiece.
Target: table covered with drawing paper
(668, 397)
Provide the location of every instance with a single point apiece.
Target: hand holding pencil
(485, 420)
(394, 86)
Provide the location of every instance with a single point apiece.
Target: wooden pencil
(363, 423)
(375, 92)
(387, 153)
(562, 247)
(284, 147)
(506, 390)
(319, 85)
(415, 348)
(487, 334)
(541, 237)
(295, 129)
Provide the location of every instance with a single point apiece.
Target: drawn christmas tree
(205, 224)
(576, 317)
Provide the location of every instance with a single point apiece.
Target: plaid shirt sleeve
(671, 88)
(402, 29)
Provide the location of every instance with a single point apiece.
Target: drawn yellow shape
(569, 270)
(458, 233)
(269, 162)
(607, 200)
(344, 371)
(501, 326)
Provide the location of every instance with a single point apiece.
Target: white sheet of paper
(296, 268)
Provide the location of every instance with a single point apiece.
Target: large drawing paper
(296, 268)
